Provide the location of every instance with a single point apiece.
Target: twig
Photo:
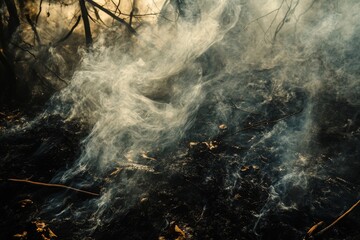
(92, 19)
(272, 22)
(133, 10)
(52, 185)
(301, 14)
(257, 19)
(285, 18)
(266, 122)
(26, 50)
(339, 218)
(117, 6)
(37, 16)
(33, 27)
(310, 234)
(98, 16)
(70, 32)
(127, 25)
(55, 74)
(47, 68)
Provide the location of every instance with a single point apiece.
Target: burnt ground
(187, 197)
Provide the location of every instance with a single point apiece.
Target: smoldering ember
(179, 119)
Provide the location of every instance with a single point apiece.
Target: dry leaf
(144, 155)
(237, 197)
(44, 237)
(211, 145)
(144, 200)
(12, 117)
(46, 232)
(51, 233)
(25, 202)
(40, 226)
(244, 168)
(255, 167)
(178, 230)
(222, 126)
(313, 228)
(22, 235)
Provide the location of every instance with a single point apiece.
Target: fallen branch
(52, 185)
(311, 234)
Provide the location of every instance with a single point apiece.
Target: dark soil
(188, 197)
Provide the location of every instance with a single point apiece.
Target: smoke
(140, 98)
(270, 71)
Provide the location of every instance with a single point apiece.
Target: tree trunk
(7, 74)
(14, 21)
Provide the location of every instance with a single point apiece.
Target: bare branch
(133, 10)
(285, 18)
(127, 25)
(117, 6)
(70, 32)
(33, 27)
(37, 16)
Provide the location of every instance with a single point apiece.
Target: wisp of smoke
(142, 100)
(216, 64)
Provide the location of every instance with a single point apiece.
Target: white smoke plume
(221, 62)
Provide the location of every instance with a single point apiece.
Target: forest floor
(182, 201)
